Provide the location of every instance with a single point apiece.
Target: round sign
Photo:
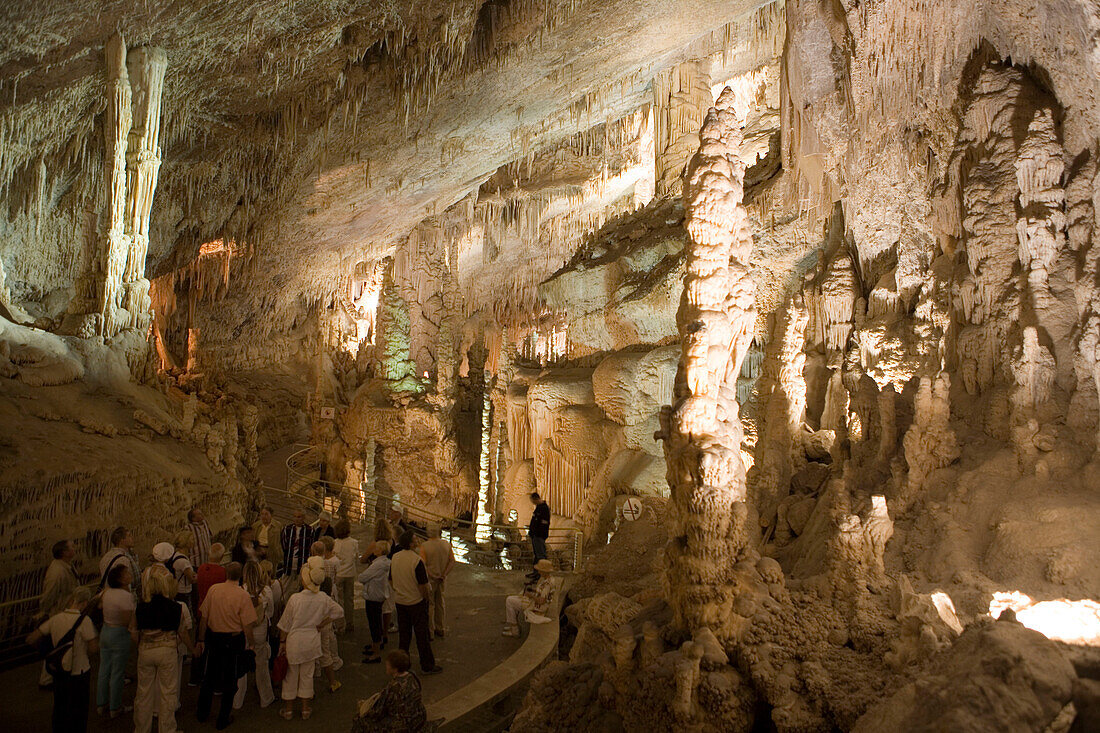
(632, 508)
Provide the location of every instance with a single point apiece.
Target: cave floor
(473, 645)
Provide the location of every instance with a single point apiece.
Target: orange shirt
(227, 608)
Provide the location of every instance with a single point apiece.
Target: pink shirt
(228, 608)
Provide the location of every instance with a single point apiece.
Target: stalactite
(146, 68)
(117, 130)
(702, 431)
(681, 96)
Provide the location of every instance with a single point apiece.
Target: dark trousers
(538, 546)
(414, 619)
(374, 620)
(223, 652)
(192, 600)
(70, 702)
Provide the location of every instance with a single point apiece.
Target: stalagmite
(930, 441)
(702, 431)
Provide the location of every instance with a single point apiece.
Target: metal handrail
(508, 534)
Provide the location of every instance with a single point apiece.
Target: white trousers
(263, 678)
(514, 606)
(299, 680)
(157, 680)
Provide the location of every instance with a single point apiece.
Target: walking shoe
(509, 630)
(335, 686)
(433, 670)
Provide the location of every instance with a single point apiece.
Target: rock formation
(813, 284)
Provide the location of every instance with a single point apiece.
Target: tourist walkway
(474, 645)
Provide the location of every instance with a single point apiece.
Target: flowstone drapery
(702, 431)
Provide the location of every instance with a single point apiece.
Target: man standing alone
(411, 592)
(539, 529)
(438, 558)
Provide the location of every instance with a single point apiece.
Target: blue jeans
(114, 651)
(538, 546)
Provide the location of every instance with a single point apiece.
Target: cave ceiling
(325, 130)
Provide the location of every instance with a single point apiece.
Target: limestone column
(702, 431)
(116, 248)
(681, 97)
(146, 69)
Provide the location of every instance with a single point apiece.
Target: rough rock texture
(446, 244)
(998, 676)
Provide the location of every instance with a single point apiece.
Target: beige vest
(406, 591)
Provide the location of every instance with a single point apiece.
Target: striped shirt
(200, 551)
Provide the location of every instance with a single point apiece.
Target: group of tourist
(281, 592)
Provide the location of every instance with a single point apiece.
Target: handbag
(279, 670)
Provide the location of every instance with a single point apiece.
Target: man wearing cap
(534, 603)
(178, 564)
(225, 631)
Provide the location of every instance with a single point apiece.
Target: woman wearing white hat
(305, 614)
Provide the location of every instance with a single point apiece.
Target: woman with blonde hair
(306, 614)
(256, 581)
(160, 627)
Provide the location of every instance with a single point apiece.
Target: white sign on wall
(632, 508)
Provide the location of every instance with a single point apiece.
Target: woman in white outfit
(306, 614)
(256, 583)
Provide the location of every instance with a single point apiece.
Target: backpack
(56, 652)
(172, 561)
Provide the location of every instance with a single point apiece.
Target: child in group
(330, 661)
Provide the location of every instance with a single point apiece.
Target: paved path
(473, 646)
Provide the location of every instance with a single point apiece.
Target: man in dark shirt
(539, 529)
(296, 539)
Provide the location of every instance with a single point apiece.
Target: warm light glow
(1072, 622)
(216, 245)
